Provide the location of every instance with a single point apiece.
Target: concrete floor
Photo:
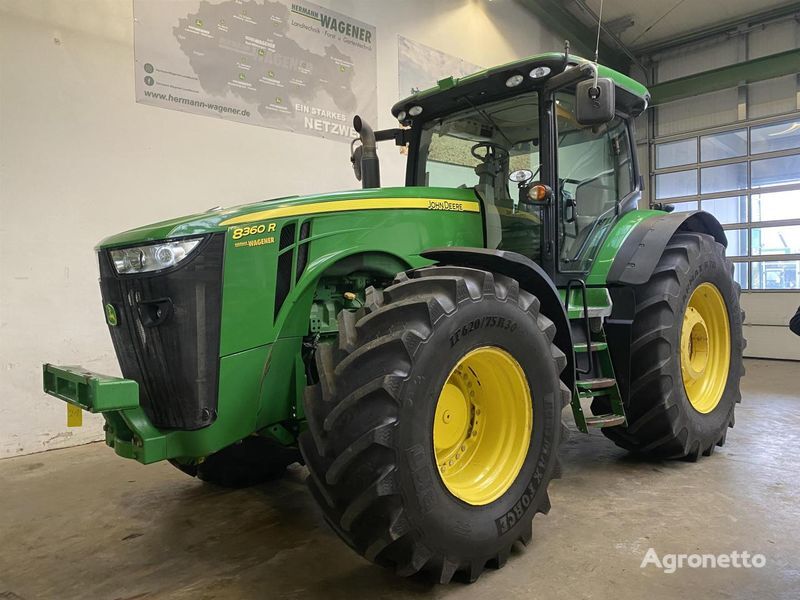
(82, 523)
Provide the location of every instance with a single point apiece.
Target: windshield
(453, 147)
(478, 148)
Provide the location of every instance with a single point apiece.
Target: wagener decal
(252, 243)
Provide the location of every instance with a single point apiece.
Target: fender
(640, 252)
(531, 278)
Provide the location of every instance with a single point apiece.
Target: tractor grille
(286, 251)
(302, 249)
(167, 337)
(283, 278)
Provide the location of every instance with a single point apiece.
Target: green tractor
(414, 346)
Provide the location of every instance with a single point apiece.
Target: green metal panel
(249, 283)
(278, 395)
(608, 251)
(214, 220)
(597, 299)
(758, 69)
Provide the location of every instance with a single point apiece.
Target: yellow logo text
(240, 232)
(445, 205)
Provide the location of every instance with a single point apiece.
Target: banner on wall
(419, 67)
(288, 65)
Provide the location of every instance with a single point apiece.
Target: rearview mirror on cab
(594, 101)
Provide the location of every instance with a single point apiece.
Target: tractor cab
(546, 143)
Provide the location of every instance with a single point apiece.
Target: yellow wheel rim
(482, 425)
(705, 348)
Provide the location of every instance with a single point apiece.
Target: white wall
(766, 325)
(79, 160)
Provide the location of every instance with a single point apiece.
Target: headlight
(153, 257)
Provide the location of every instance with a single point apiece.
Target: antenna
(597, 42)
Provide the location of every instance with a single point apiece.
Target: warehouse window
(674, 154)
(724, 178)
(749, 179)
(719, 146)
(672, 185)
(769, 138)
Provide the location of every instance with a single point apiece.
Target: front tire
(377, 453)
(686, 353)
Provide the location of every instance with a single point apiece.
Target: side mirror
(594, 104)
(521, 177)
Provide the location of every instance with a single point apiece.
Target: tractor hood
(292, 206)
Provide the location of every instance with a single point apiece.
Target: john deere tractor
(414, 346)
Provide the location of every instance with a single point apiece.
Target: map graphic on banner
(293, 66)
(420, 66)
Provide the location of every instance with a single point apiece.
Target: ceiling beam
(555, 17)
(757, 69)
(616, 42)
(722, 28)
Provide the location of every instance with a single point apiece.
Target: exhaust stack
(365, 158)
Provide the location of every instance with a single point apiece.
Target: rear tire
(250, 461)
(370, 440)
(662, 419)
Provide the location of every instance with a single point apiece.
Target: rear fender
(531, 278)
(634, 263)
(640, 252)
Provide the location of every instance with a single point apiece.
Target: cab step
(592, 306)
(610, 420)
(595, 347)
(597, 303)
(596, 384)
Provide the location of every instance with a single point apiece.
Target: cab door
(595, 180)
